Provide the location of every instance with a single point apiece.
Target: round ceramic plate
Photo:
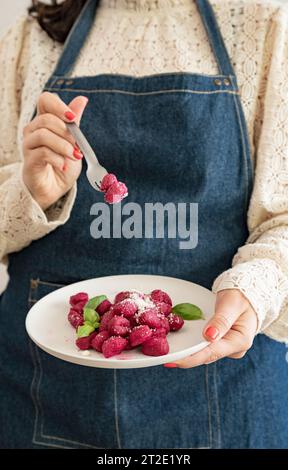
(48, 327)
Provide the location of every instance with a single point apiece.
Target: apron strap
(76, 39)
(215, 37)
(83, 24)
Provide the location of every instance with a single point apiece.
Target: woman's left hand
(231, 330)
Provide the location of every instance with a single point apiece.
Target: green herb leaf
(85, 330)
(95, 301)
(188, 312)
(94, 324)
(90, 315)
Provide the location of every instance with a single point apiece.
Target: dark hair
(58, 18)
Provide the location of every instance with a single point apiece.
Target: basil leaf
(95, 301)
(90, 315)
(94, 324)
(188, 312)
(85, 330)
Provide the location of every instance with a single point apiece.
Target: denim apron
(171, 137)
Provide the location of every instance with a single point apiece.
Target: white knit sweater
(143, 37)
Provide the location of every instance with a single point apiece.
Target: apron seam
(243, 140)
(179, 448)
(32, 386)
(174, 90)
(40, 408)
(46, 436)
(58, 446)
(217, 406)
(116, 410)
(48, 283)
(139, 77)
(208, 405)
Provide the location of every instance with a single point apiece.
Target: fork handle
(83, 144)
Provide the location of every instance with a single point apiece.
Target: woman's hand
(52, 161)
(231, 330)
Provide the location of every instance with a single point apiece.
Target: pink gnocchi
(133, 319)
(114, 190)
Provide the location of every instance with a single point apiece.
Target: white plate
(48, 327)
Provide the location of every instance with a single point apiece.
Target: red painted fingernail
(69, 115)
(211, 332)
(64, 167)
(77, 154)
(170, 365)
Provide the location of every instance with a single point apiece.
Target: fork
(95, 172)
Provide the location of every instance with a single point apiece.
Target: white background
(12, 9)
(9, 10)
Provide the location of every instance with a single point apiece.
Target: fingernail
(64, 168)
(77, 154)
(170, 365)
(69, 115)
(211, 332)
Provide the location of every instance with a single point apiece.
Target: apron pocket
(74, 405)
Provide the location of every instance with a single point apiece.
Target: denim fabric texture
(175, 137)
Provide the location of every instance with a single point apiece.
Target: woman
(155, 86)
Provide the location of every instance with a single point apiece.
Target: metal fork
(95, 172)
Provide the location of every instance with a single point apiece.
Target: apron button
(33, 283)
(217, 81)
(69, 82)
(60, 82)
(226, 81)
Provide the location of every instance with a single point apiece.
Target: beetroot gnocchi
(114, 190)
(133, 319)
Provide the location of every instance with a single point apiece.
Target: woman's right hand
(52, 160)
